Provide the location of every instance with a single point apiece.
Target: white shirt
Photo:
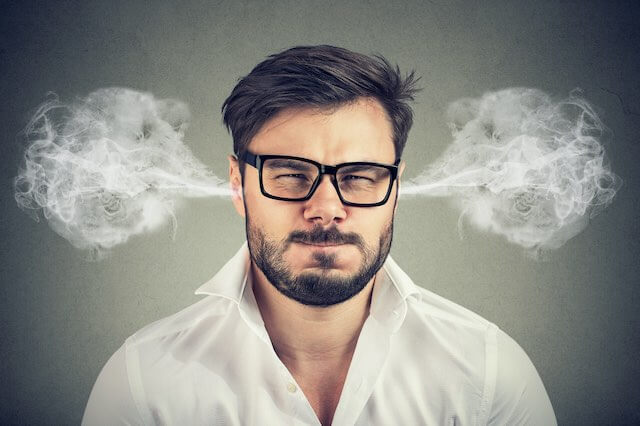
(419, 360)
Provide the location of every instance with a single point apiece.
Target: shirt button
(291, 387)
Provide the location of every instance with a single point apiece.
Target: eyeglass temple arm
(251, 159)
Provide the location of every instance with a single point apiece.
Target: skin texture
(316, 342)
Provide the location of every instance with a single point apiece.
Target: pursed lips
(327, 244)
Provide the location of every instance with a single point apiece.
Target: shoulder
(512, 391)
(209, 309)
(450, 326)
(121, 391)
(427, 309)
(429, 305)
(111, 400)
(160, 347)
(519, 396)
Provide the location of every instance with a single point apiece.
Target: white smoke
(114, 164)
(523, 166)
(109, 166)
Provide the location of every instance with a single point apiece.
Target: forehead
(358, 131)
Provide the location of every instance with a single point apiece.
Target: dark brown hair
(317, 76)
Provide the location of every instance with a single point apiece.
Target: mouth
(325, 244)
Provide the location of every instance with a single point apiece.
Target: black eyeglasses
(362, 184)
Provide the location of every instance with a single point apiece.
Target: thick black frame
(257, 161)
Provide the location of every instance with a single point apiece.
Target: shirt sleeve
(111, 401)
(519, 397)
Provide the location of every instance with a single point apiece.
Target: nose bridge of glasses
(331, 172)
(328, 170)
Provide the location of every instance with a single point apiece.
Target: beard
(317, 288)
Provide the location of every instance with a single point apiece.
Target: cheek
(271, 216)
(372, 224)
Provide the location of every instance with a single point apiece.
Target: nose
(325, 207)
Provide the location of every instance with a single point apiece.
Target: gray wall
(576, 314)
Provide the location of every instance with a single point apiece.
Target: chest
(322, 390)
(239, 380)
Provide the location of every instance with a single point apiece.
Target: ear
(401, 167)
(235, 181)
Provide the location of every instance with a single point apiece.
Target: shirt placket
(301, 409)
(366, 367)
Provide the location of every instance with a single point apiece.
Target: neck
(303, 334)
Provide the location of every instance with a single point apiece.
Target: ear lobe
(235, 181)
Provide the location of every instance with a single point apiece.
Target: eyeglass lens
(293, 179)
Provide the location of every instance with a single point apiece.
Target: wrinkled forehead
(357, 131)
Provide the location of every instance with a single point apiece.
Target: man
(311, 322)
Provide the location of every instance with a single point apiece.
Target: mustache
(332, 235)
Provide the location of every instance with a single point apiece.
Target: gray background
(576, 314)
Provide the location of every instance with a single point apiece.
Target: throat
(322, 384)
(301, 333)
(316, 344)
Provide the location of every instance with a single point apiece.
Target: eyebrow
(286, 163)
(379, 171)
(357, 167)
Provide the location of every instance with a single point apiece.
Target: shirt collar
(388, 302)
(390, 294)
(231, 279)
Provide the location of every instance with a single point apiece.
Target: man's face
(319, 251)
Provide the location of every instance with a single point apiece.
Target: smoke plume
(109, 166)
(114, 164)
(523, 166)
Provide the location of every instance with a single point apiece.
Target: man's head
(322, 77)
(330, 106)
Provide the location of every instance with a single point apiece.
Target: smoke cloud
(109, 166)
(114, 164)
(523, 166)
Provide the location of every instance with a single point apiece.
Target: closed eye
(292, 175)
(356, 177)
